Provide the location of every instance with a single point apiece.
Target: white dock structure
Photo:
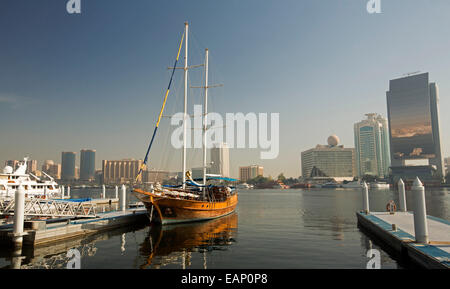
(414, 235)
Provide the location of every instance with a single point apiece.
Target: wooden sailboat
(191, 201)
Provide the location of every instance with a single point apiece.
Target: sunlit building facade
(333, 160)
(250, 172)
(121, 171)
(372, 146)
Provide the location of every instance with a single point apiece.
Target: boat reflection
(174, 244)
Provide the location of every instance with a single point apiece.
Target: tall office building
(68, 166)
(250, 172)
(372, 146)
(52, 169)
(332, 160)
(220, 158)
(413, 113)
(121, 171)
(87, 165)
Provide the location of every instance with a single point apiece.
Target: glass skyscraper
(68, 166)
(87, 165)
(372, 146)
(413, 113)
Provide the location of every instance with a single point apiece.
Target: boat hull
(168, 210)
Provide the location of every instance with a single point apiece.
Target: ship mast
(205, 115)
(186, 29)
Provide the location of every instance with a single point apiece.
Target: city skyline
(100, 85)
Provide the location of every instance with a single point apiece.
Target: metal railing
(50, 208)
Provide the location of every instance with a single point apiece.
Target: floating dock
(397, 231)
(44, 232)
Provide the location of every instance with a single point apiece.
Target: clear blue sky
(96, 80)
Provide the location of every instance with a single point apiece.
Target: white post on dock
(420, 212)
(62, 192)
(68, 192)
(19, 211)
(365, 191)
(123, 198)
(117, 192)
(103, 192)
(401, 195)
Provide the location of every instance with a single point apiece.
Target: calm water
(314, 228)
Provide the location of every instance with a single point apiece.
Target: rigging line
(161, 112)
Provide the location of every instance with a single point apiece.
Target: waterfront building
(87, 165)
(372, 146)
(52, 169)
(68, 172)
(332, 160)
(121, 171)
(413, 114)
(220, 160)
(250, 172)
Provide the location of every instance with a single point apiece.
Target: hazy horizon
(96, 80)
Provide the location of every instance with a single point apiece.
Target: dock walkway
(436, 254)
(43, 233)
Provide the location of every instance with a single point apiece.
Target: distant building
(372, 146)
(154, 176)
(68, 172)
(220, 158)
(332, 160)
(250, 172)
(52, 169)
(121, 171)
(197, 173)
(12, 163)
(87, 165)
(413, 113)
(31, 166)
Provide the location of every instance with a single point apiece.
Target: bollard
(68, 192)
(401, 195)
(103, 192)
(62, 192)
(19, 211)
(45, 192)
(420, 212)
(117, 192)
(123, 198)
(365, 191)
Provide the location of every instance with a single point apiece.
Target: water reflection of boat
(353, 184)
(173, 244)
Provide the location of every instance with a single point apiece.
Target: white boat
(244, 186)
(34, 187)
(354, 184)
(379, 185)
